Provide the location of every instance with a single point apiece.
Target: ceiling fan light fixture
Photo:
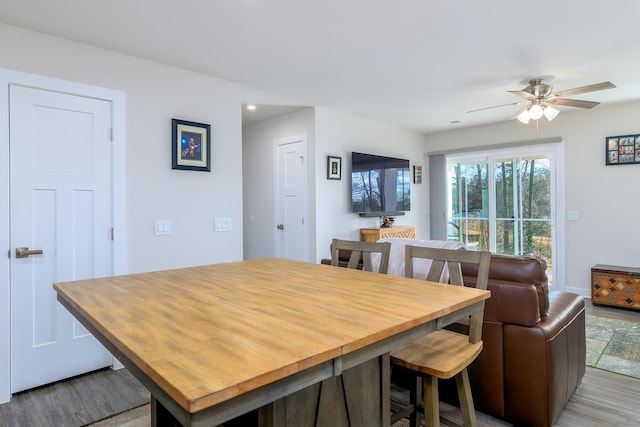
(538, 95)
(524, 117)
(536, 111)
(550, 113)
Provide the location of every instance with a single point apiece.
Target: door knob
(280, 226)
(25, 252)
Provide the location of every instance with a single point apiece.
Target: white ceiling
(419, 64)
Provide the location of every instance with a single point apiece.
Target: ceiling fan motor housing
(538, 89)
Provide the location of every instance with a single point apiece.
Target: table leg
(160, 416)
(360, 396)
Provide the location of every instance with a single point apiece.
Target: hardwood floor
(612, 312)
(75, 402)
(602, 399)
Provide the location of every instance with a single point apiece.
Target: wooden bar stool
(361, 251)
(443, 354)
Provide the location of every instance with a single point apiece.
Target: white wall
(259, 179)
(329, 133)
(154, 95)
(607, 197)
(338, 135)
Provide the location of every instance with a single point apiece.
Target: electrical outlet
(222, 224)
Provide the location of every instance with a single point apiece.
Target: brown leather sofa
(534, 350)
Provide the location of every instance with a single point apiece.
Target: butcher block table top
(207, 334)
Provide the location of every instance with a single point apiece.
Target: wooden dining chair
(443, 354)
(361, 251)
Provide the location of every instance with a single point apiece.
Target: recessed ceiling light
(251, 107)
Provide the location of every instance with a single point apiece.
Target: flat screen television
(380, 186)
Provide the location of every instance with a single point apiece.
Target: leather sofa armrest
(562, 306)
(536, 392)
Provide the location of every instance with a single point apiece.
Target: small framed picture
(334, 167)
(190, 145)
(417, 174)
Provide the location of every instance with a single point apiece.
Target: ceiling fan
(539, 97)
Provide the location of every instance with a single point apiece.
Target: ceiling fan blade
(585, 89)
(495, 106)
(573, 102)
(515, 116)
(522, 93)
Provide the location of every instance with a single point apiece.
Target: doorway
(64, 207)
(504, 201)
(292, 223)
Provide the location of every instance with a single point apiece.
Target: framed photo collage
(623, 150)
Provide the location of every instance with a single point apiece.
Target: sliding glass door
(468, 213)
(523, 206)
(503, 201)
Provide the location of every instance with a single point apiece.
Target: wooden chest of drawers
(615, 286)
(375, 234)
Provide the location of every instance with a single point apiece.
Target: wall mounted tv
(380, 186)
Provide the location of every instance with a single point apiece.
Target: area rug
(613, 345)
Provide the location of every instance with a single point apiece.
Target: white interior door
(292, 236)
(61, 204)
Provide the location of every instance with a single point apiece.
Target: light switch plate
(162, 227)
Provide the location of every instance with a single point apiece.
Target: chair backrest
(361, 251)
(451, 259)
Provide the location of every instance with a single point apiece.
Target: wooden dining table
(298, 343)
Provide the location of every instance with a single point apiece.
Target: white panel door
(61, 198)
(292, 230)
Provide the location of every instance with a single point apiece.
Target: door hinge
(112, 234)
(112, 134)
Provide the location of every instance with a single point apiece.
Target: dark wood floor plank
(75, 402)
(603, 399)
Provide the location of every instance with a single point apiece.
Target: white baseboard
(580, 291)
